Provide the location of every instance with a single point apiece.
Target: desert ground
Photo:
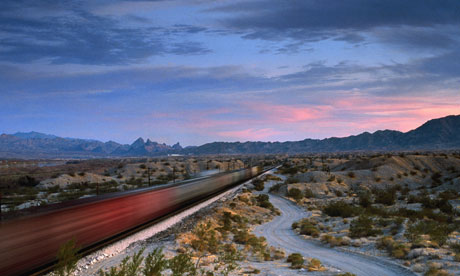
(335, 214)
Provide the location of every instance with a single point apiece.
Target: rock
(345, 240)
(418, 268)
(364, 240)
(406, 263)
(356, 243)
(181, 250)
(418, 252)
(415, 253)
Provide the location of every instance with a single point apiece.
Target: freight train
(32, 242)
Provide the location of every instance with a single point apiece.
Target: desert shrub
(27, 181)
(290, 180)
(314, 265)
(288, 169)
(436, 177)
(129, 266)
(340, 209)
(241, 237)
(81, 173)
(181, 265)
(455, 247)
(295, 193)
(307, 228)
(296, 260)
(264, 202)
(457, 257)
(448, 195)
(206, 240)
(331, 240)
(351, 174)
(386, 197)
(258, 184)
(308, 193)
(433, 271)
(274, 188)
(399, 251)
(438, 231)
(67, 258)
(338, 193)
(229, 257)
(142, 166)
(394, 249)
(155, 263)
(363, 226)
(445, 207)
(365, 199)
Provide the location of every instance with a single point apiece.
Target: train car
(33, 241)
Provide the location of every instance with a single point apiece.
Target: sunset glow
(203, 71)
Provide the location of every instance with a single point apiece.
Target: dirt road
(278, 233)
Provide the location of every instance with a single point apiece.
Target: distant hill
(436, 134)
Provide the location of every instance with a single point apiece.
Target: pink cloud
(250, 134)
(289, 113)
(337, 116)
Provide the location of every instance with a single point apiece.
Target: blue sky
(198, 71)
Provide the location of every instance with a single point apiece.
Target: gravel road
(278, 233)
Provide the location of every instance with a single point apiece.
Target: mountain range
(436, 134)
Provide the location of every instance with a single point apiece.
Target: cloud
(63, 34)
(309, 21)
(249, 134)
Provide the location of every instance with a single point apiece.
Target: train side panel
(31, 242)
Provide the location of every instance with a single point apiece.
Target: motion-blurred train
(32, 242)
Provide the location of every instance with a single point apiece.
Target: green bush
(314, 265)
(296, 260)
(363, 226)
(340, 209)
(308, 193)
(258, 184)
(263, 201)
(295, 193)
(386, 197)
(438, 231)
(155, 263)
(365, 199)
(129, 266)
(274, 188)
(67, 258)
(181, 265)
(307, 228)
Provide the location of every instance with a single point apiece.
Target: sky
(198, 71)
